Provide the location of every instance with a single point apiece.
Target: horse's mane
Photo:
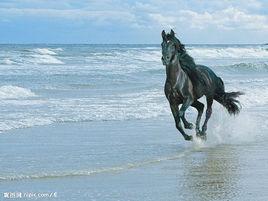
(186, 61)
(180, 46)
(185, 57)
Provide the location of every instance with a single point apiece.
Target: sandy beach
(131, 160)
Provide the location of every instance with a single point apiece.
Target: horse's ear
(164, 36)
(172, 33)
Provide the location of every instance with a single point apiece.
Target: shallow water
(92, 122)
(133, 160)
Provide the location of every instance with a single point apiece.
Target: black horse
(186, 82)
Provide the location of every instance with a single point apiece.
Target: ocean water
(96, 115)
(46, 84)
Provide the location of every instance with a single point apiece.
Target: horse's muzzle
(168, 60)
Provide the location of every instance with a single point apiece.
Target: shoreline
(136, 160)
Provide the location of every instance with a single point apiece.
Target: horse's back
(207, 70)
(206, 82)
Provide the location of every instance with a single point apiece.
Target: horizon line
(129, 43)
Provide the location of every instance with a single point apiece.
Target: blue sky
(118, 21)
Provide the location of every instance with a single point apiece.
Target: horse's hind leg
(200, 108)
(208, 114)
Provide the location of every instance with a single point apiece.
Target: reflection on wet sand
(212, 174)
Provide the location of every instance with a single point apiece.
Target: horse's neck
(173, 72)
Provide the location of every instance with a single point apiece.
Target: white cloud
(193, 14)
(230, 18)
(163, 20)
(193, 19)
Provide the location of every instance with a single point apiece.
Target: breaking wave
(142, 105)
(15, 92)
(45, 56)
(129, 106)
(228, 52)
(246, 67)
(32, 56)
(44, 59)
(45, 51)
(7, 61)
(82, 88)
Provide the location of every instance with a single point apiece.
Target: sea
(91, 122)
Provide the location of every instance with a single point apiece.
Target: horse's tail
(228, 99)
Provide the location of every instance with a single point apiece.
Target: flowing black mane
(186, 61)
(180, 46)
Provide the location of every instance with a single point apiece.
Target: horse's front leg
(174, 110)
(187, 124)
(186, 103)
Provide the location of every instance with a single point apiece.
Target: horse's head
(170, 47)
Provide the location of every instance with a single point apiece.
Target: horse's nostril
(167, 57)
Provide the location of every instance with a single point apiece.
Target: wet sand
(131, 160)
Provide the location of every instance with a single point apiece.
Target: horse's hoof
(189, 126)
(188, 137)
(201, 135)
(204, 137)
(198, 133)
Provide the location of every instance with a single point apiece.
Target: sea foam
(44, 59)
(45, 51)
(15, 92)
(43, 56)
(229, 52)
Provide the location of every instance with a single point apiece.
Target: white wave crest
(45, 56)
(119, 107)
(230, 52)
(8, 61)
(254, 97)
(143, 105)
(44, 59)
(255, 67)
(25, 122)
(256, 93)
(14, 92)
(45, 51)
